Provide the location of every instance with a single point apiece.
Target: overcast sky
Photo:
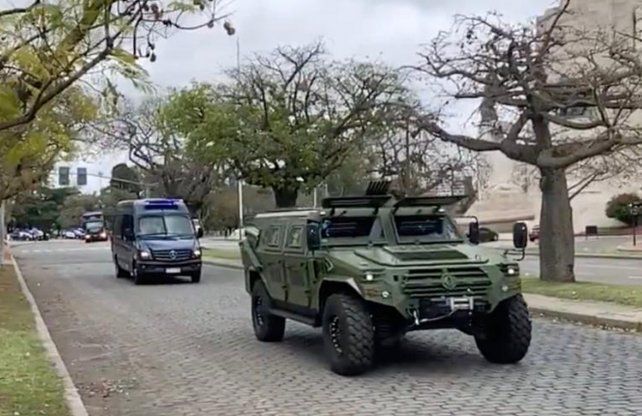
(387, 30)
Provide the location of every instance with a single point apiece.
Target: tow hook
(416, 316)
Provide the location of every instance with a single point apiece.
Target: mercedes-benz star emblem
(172, 254)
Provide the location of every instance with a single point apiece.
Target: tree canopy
(286, 120)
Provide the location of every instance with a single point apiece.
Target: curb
(598, 256)
(72, 397)
(588, 319)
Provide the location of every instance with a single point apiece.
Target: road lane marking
(635, 277)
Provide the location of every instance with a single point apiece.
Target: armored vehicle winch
(368, 269)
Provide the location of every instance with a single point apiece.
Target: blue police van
(155, 237)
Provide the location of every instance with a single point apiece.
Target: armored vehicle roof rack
(369, 201)
(422, 201)
(378, 188)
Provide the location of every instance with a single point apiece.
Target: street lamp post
(231, 31)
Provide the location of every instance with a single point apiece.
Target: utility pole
(231, 30)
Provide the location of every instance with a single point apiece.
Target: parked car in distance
(486, 235)
(69, 234)
(79, 232)
(37, 234)
(534, 234)
(21, 235)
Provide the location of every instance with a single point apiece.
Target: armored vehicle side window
(295, 237)
(425, 227)
(273, 236)
(351, 227)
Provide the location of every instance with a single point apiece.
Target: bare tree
(553, 95)
(168, 166)
(416, 161)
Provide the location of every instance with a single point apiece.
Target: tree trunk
(285, 197)
(557, 243)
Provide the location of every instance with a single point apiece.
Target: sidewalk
(604, 314)
(588, 312)
(609, 247)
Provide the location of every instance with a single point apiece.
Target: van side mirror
(473, 232)
(313, 236)
(520, 235)
(199, 232)
(128, 234)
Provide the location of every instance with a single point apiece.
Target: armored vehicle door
(271, 254)
(296, 265)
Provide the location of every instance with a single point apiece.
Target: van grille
(427, 283)
(172, 255)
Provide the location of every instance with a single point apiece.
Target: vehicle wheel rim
(258, 310)
(335, 334)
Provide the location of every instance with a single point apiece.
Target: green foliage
(125, 178)
(41, 208)
(289, 120)
(618, 207)
(73, 208)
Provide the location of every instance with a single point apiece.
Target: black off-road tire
(196, 277)
(348, 335)
(267, 327)
(120, 272)
(506, 335)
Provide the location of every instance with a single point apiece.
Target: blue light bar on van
(161, 204)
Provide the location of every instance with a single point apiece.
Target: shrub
(618, 207)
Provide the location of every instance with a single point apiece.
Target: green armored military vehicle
(368, 269)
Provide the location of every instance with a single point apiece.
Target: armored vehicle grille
(428, 283)
(172, 255)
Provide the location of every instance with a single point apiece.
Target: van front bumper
(158, 267)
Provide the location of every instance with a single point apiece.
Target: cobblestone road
(182, 349)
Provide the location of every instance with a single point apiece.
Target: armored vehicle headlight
(511, 271)
(369, 277)
(385, 294)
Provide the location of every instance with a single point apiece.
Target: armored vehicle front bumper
(433, 293)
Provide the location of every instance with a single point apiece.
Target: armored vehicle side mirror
(313, 236)
(520, 235)
(199, 232)
(473, 232)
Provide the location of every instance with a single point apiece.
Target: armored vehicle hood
(415, 255)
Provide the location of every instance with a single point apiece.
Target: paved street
(183, 349)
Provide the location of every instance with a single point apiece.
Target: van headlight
(144, 255)
(197, 252)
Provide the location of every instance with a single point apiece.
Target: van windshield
(93, 226)
(165, 225)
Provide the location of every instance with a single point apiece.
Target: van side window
(127, 223)
(294, 237)
(117, 231)
(273, 236)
